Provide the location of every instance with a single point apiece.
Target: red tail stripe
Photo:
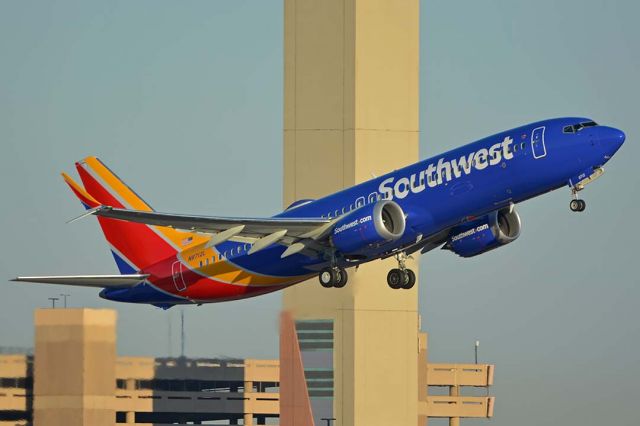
(139, 243)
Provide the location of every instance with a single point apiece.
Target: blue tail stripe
(123, 266)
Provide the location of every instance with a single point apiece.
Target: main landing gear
(401, 277)
(333, 277)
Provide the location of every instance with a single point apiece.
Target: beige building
(74, 378)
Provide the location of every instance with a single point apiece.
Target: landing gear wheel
(396, 278)
(328, 277)
(342, 278)
(577, 205)
(411, 279)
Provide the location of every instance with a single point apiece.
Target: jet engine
(487, 233)
(369, 226)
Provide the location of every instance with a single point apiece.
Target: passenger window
(522, 145)
(201, 263)
(207, 261)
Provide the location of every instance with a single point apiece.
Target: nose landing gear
(401, 277)
(576, 204)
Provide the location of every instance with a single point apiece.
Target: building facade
(75, 378)
(72, 380)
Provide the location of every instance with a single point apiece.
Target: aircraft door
(537, 143)
(178, 279)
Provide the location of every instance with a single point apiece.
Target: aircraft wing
(261, 232)
(99, 281)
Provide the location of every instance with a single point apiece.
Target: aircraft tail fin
(134, 246)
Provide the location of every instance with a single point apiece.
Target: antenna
(65, 299)
(53, 301)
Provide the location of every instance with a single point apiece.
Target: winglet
(84, 197)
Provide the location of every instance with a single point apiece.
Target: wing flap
(99, 281)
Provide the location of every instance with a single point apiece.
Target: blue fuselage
(467, 182)
(436, 196)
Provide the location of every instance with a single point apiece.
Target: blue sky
(184, 101)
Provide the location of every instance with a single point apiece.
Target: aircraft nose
(620, 137)
(612, 139)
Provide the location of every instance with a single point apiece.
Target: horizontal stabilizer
(99, 281)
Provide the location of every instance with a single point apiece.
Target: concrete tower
(74, 377)
(350, 111)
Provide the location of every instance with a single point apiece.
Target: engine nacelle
(369, 226)
(487, 233)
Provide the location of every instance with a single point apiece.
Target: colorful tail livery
(462, 200)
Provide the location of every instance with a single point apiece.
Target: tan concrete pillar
(248, 419)
(130, 416)
(351, 110)
(454, 391)
(248, 388)
(74, 371)
(423, 387)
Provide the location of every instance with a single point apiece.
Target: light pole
(476, 348)
(53, 301)
(65, 299)
(329, 420)
(182, 333)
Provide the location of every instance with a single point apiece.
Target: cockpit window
(575, 128)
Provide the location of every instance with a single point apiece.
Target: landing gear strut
(576, 204)
(333, 277)
(401, 277)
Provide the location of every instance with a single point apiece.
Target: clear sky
(184, 101)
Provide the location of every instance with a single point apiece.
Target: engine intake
(371, 225)
(494, 230)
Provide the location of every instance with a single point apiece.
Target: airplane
(462, 201)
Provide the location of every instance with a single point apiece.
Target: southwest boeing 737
(462, 200)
